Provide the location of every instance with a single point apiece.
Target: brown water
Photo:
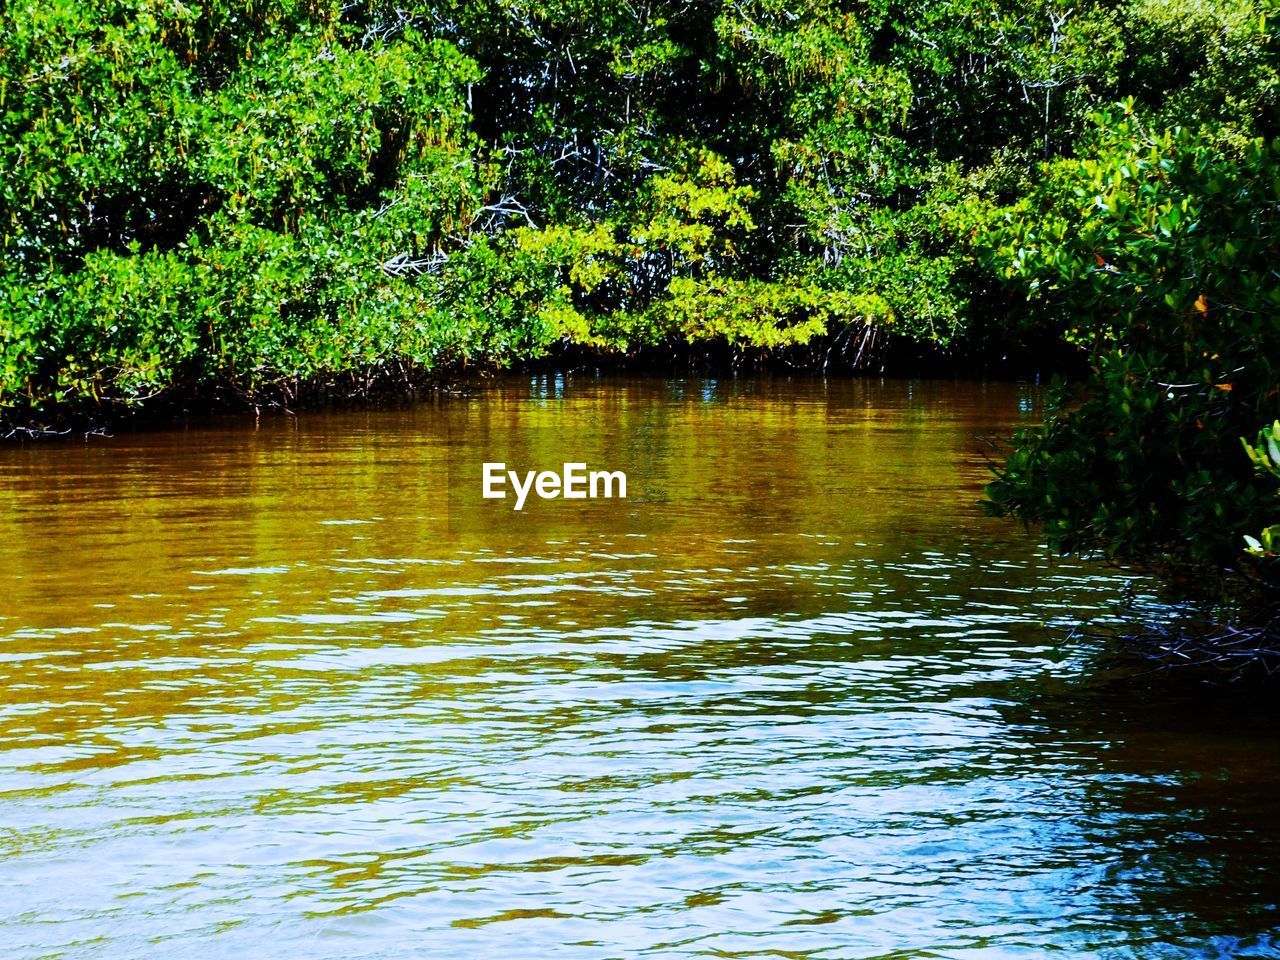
(294, 690)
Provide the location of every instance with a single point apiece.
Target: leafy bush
(1160, 248)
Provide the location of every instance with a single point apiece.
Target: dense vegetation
(245, 198)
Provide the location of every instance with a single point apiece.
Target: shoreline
(394, 383)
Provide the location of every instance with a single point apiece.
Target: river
(292, 688)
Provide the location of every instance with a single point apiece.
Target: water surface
(292, 689)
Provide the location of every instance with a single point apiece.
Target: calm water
(296, 691)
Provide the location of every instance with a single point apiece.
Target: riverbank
(397, 381)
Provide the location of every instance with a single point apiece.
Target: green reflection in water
(296, 690)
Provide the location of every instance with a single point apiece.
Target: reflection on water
(296, 691)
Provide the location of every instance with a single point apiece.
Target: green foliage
(171, 223)
(1160, 248)
(236, 195)
(282, 139)
(1265, 456)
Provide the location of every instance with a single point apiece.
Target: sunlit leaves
(1161, 247)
